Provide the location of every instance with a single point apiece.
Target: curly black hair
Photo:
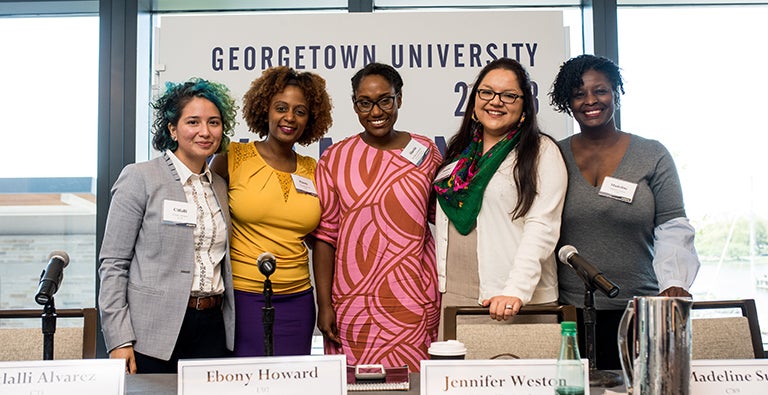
(169, 106)
(273, 81)
(569, 79)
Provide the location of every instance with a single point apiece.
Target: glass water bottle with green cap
(570, 369)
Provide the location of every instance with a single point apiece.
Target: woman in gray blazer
(166, 279)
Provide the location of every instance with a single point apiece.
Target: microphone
(267, 263)
(50, 278)
(588, 273)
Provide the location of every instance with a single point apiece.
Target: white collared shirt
(210, 235)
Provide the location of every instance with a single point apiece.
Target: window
(49, 76)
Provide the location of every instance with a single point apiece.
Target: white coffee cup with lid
(449, 349)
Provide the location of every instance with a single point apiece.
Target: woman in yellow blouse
(273, 204)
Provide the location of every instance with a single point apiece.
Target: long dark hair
(525, 171)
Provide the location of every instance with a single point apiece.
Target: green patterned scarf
(461, 194)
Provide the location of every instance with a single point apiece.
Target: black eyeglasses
(385, 103)
(505, 97)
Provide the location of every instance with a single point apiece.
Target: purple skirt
(292, 330)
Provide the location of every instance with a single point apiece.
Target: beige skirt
(462, 282)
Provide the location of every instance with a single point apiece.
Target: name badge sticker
(446, 171)
(615, 188)
(415, 152)
(304, 185)
(178, 213)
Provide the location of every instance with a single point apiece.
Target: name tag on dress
(415, 152)
(304, 185)
(615, 188)
(178, 213)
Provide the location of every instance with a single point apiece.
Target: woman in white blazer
(500, 194)
(166, 279)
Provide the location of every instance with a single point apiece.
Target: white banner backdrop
(437, 53)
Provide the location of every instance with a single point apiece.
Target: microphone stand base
(604, 379)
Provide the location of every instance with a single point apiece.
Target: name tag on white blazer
(446, 171)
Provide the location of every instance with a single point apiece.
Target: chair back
(20, 342)
(719, 335)
(534, 333)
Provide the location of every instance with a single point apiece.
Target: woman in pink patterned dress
(374, 259)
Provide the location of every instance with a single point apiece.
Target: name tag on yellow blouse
(304, 185)
(178, 213)
(615, 188)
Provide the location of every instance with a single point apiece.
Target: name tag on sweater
(615, 188)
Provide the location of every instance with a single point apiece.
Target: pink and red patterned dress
(374, 211)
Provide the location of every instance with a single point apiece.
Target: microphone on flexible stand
(50, 281)
(267, 264)
(50, 278)
(588, 273)
(593, 279)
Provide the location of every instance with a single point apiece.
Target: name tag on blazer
(178, 213)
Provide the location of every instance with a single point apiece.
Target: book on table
(377, 378)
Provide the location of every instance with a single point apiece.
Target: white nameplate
(82, 376)
(731, 376)
(491, 377)
(298, 375)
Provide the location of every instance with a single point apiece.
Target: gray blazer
(147, 266)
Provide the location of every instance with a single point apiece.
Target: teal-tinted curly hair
(169, 106)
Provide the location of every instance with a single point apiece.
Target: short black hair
(569, 79)
(388, 72)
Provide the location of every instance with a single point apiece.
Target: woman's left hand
(503, 307)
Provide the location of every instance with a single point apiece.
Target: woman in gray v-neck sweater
(636, 234)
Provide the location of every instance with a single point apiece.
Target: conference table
(166, 384)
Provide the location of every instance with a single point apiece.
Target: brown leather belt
(204, 302)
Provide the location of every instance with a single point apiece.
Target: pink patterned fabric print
(385, 290)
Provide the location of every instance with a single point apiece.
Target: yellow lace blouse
(269, 215)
